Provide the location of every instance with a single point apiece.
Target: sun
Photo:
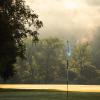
(71, 5)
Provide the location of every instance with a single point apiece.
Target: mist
(78, 23)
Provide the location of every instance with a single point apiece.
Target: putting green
(8, 94)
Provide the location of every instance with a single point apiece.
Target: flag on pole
(68, 50)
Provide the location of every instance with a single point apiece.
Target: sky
(68, 19)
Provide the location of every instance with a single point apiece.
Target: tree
(81, 56)
(44, 63)
(96, 49)
(15, 20)
(82, 63)
(53, 59)
(48, 55)
(89, 72)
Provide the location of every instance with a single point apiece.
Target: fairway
(59, 87)
(7, 94)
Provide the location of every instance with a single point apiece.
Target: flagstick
(67, 79)
(68, 55)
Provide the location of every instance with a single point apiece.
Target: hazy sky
(68, 18)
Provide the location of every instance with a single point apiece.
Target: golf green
(8, 94)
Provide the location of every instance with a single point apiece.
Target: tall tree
(17, 21)
(46, 62)
(96, 49)
(81, 56)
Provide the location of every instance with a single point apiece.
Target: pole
(68, 56)
(67, 79)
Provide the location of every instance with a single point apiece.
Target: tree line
(46, 63)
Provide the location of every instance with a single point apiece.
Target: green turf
(45, 95)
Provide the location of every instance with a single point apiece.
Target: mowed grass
(7, 94)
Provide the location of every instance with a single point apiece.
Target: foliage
(81, 56)
(89, 72)
(46, 63)
(15, 20)
(96, 49)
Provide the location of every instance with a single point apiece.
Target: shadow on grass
(22, 94)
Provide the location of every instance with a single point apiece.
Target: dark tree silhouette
(17, 21)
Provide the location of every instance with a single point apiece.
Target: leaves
(15, 21)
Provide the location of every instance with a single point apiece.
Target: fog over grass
(69, 19)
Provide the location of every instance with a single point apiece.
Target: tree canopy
(96, 48)
(17, 21)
